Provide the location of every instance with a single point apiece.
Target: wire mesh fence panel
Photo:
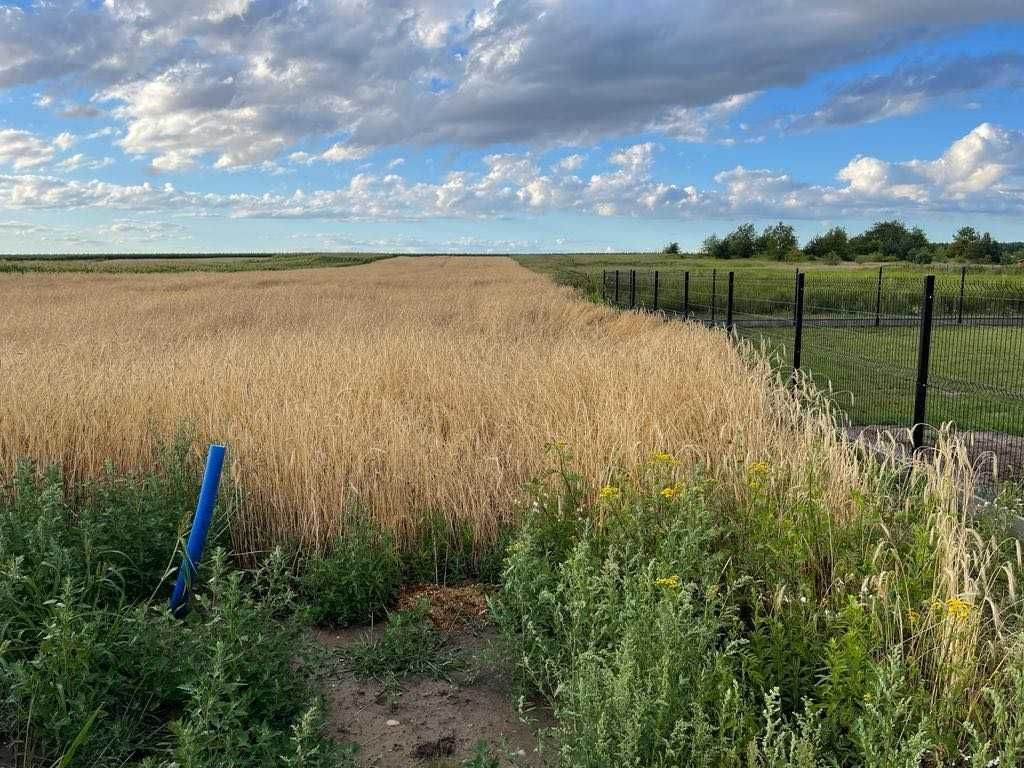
(976, 371)
(645, 285)
(764, 313)
(860, 341)
(672, 292)
(707, 297)
(863, 349)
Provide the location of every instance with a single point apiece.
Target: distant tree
(890, 240)
(969, 245)
(741, 242)
(672, 248)
(715, 247)
(834, 244)
(965, 244)
(777, 242)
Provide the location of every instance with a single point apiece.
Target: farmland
(352, 385)
(687, 565)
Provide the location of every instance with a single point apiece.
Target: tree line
(884, 241)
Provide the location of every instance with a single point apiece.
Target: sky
(507, 126)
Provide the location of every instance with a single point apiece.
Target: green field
(183, 263)
(850, 285)
(975, 375)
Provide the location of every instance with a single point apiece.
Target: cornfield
(404, 387)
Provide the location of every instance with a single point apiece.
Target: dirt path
(424, 721)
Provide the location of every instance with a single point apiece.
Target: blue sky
(520, 125)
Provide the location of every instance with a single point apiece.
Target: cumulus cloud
(981, 171)
(122, 231)
(698, 124)
(31, 191)
(234, 83)
(22, 149)
(912, 89)
(80, 161)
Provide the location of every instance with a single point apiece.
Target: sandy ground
(433, 722)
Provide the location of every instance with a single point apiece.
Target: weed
(92, 673)
(409, 646)
(356, 580)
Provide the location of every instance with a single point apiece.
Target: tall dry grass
(407, 386)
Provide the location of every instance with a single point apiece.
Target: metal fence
(907, 352)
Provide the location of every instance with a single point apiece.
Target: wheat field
(408, 386)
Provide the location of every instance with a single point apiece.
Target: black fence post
(686, 295)
(714, 277)
(616, 287)
(655, 290)
(878, 300)
(604, 285)
(798, 323)
(728, 304)
(960, 303)
(632, 288)
(924, 347)
(796, 297)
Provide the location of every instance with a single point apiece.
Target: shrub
(676, 622)
(356, 580)
(92, 674)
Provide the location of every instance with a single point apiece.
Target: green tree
(969, 245)
(890, 240)
(834, 244)
(741, 242)
(672, 248)
(777, 242)
(715, 247)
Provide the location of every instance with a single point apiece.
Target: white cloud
(80, 161)
(982, 171)
(27, 191)
(235, 84)
(342, 152)
(64, 141)
(570, 164)
(698, 124)
(122, 231)
(22, 149)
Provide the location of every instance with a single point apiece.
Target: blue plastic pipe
(200, 527)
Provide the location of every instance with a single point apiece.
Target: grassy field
(974, 375)
(690, 566)
(183, 263)
(595, 263)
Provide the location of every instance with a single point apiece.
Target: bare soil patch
(434, 722)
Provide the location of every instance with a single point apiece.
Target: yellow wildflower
(958, 609)
(609, 492)
(670, 582)
(671, 491)
(913, 616)
(660, 457)
(756, 473)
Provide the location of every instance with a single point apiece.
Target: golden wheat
(406, 386)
